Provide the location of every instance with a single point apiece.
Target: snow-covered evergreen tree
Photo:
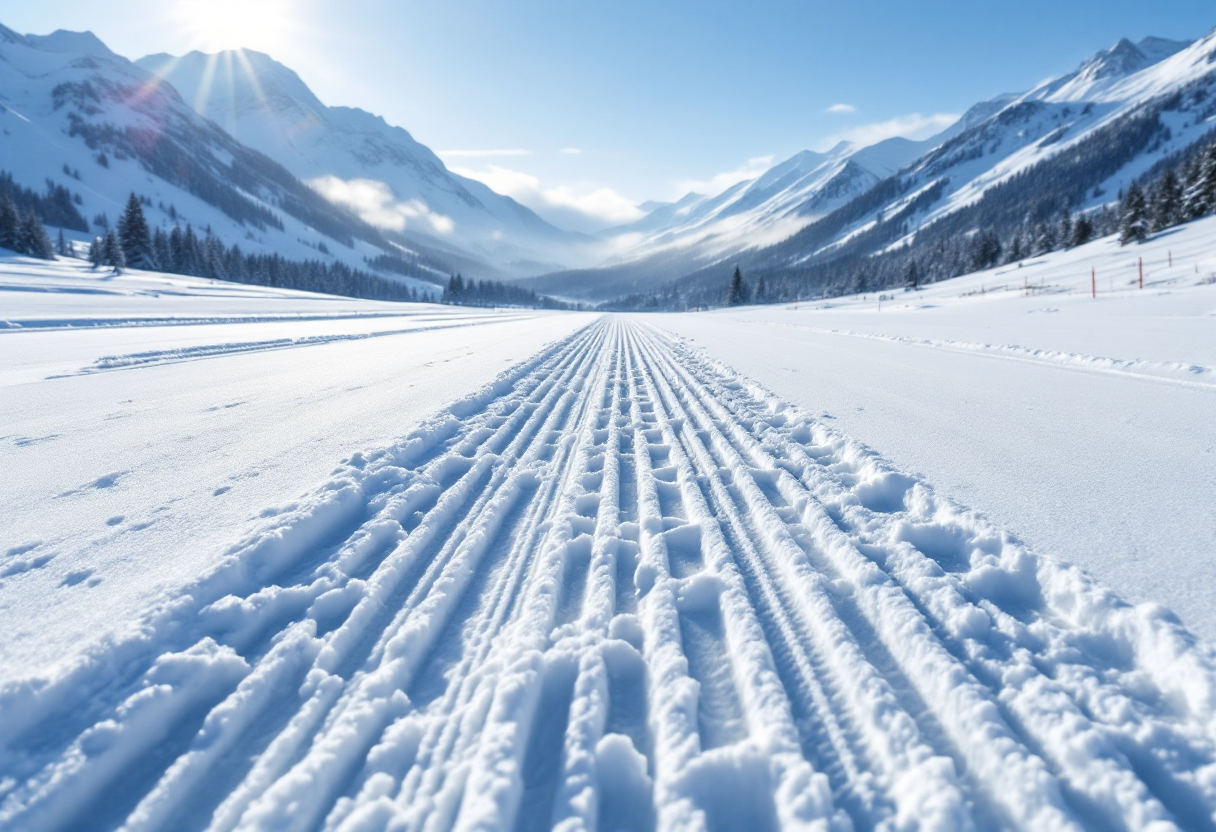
(1199, 189)
(1044, 238)
(736, 292)
(112, 253)
(1134, 221)
(1082, 231)
(1167, 201)
(134, 235)
(33, 240)
(10, 224)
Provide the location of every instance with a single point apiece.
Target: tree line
(182, 251)
(24, 233)
(462, 292)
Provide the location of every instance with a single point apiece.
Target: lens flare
(217, 25)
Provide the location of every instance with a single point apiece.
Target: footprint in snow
(76, 576)
(105, 481)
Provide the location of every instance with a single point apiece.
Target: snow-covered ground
(1087, 426)
(149, 421)
(582, 574)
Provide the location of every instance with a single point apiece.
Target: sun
(218, 25)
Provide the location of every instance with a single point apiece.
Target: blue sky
(582, 109)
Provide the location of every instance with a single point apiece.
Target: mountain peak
(61, 40)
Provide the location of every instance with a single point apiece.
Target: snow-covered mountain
(770, 207)
(358, 159)
(75, 114)
(1057, 116)
(1085, 135)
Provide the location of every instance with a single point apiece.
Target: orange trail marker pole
(1093, 282)
(1141, 272)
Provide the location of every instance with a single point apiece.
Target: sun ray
(204, 84)
(252, 76)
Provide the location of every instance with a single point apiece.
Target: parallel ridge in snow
(625, 589)
(1165, 370)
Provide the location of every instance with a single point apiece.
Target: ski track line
(623, 587)
(1172, 372)
(154, 358)
(28, 325)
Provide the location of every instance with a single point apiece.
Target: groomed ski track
(625, 589)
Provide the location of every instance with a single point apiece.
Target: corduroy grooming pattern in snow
(625, 589)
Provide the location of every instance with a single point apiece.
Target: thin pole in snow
(1093, 282)
(1141, 272)
(1171, 254)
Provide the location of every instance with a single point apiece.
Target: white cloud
(911, 126)
(841, 108)
(481, 154)
(376, 204)
(571, 151)
(567, 206)
(715, 185)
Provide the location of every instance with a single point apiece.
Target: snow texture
(622, 587)
(1084, 424)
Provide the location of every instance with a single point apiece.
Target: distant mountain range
(1084, 136)
(282, 173)
(359, 160)
(237, 143)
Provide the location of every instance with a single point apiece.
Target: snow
(156, 413)
(1085, 425)
(40, 139)
(340, 150)
(289, 562)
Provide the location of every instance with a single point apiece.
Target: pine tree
(913, 275)
(1199, 185)
(1167, 201)
(1045, 238)
(736, 293)
(1082, 231)
(33, 239)
(160, 247)
(61, 245)
(1133, 225)
(1065, 226)
(761, 290)
(95, 253)
(135, 237)
(10, 224)
(112, 253)
(1014, 251)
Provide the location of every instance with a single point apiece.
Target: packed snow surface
(617, 586)
(156, 418)
(1086, 425)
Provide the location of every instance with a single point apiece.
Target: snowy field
(1087, 426)
(282, 562)
(157, 419)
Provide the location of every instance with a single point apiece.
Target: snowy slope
(1056, 118)
(618, 587)
(69, 104)
(266, 106)
(154, 418)
(771, 207)
(1085, 424)
(1127, 108)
